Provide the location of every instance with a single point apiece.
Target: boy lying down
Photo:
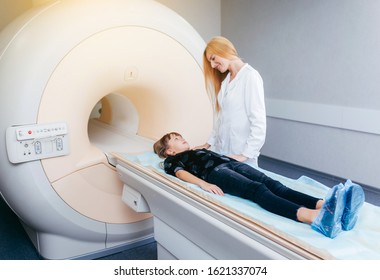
(219, 174)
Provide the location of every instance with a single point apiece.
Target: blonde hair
(162, 145)
(222, 47)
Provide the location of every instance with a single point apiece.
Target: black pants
(242, 180)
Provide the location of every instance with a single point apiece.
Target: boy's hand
(212, 188)
(190, 178)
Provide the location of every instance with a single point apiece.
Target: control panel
(37, 141)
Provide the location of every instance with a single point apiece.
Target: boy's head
(170, 144)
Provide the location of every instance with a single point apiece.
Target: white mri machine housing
(80, 79)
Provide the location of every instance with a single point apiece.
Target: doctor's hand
(240, 158)
(204, 146)
(212, 188)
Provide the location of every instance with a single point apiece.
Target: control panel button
(37, 141)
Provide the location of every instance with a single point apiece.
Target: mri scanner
(86, 86)
(78, 80)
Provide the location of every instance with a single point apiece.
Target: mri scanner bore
(80, 79)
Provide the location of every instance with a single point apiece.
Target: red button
(30, 132)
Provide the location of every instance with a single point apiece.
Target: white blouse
(240, 125)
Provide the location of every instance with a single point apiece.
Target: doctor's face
(217, 62)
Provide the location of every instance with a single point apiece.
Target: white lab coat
(240, 126)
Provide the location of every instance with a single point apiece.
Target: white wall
(204, 16)
(320, 62)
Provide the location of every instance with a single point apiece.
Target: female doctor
(238, 95)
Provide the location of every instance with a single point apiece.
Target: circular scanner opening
(113, 125)
(94, 188)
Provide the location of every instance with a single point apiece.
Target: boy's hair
(162, 145)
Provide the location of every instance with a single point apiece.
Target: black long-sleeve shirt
(198, 162)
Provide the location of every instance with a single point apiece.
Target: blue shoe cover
(329, 220)
(354, 201)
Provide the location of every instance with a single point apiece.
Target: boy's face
(177, 144)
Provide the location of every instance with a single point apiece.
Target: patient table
(190, 223)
